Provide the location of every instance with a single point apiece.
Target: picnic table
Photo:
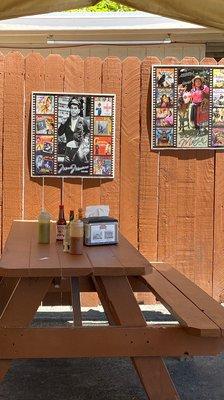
(28, 271)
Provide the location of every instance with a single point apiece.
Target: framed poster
(72, 135)
(187, 107)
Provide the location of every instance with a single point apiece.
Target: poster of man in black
(73, 135)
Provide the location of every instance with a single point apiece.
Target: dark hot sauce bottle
(61, 224)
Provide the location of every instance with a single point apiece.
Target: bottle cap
(44, 215)
(71, 215)
(80, 213)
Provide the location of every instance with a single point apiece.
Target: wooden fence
(170, 204)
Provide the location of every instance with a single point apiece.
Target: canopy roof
(202, 12)
(76, 21)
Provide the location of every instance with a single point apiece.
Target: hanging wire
(42, 195)
(62, 190)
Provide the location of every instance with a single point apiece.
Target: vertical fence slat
(167, 210)
(148, 179)
(74, 83)
(93, 76)
(34, 81)
(91, 187)
(204, 201)
(13, 140)
(218, 266)
(186, 174)
(167, 197)
(2, 64)
(54, 82)
(130, 138)
(149, 163)
(110, 189)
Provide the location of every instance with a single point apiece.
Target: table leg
(121, 307)
(21, 307)
(7, 286)
(76, 305)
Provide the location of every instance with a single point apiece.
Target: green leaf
(105, 6)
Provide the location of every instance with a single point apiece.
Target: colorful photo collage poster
(73, 135)
(188, 107)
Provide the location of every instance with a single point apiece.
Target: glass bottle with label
(61, 224)
(76, 237)
(66, 241)
(71, 215)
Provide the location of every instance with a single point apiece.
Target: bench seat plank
(189, 316)
(201, 299)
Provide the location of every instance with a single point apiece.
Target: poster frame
(153, 108)
(113, 133)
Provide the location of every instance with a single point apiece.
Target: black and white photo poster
(73, 135)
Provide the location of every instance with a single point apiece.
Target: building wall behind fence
(178, 50)
(170, 204)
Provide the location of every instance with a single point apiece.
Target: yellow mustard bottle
(44, 227)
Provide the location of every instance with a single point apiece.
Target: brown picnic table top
(23, 256)
(27, 274)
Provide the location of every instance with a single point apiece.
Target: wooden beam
(21, 308)
(104, 342)
(76, 306)
(7, 286)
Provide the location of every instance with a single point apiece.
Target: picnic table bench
(28, 270)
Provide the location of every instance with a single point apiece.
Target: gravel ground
(200, 378)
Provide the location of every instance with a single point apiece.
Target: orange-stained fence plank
(34, 81)
(167, 210)
(204, 203)
(54, 81)
(110, 189)
(130, 138)
(186, 184)
(91, 187)
(167, 195)
(149, 170)
(13, 140)
(2, 63)
(149, 176)
(218, 265)
(93, 77)
(73, 83)
(186, 188)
